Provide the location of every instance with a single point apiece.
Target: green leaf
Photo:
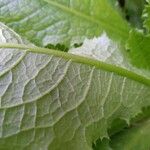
(66, 22)
(55, 100)
(137, 137)
(146, 16)
(119, 134)
(139, 49)
(133, 12)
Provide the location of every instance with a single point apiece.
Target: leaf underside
(58, 101)
(50, 102)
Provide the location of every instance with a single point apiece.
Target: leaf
(105, 49)
(133, 11)
(120, 130)
(66, 22)
(102, 145)
(139, 49)
(55, 100)
(146, 16)
(135, 138)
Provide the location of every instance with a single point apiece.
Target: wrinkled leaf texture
(56, 100)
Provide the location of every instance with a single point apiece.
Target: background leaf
(65, 22)
(134, 138)
(118, 131)
(133, 12)
(146, 16)
(139, 49)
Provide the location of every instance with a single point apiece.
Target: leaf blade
(45, 104)
(136, 137)
(63, 26)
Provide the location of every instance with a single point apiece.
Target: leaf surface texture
(52, 102)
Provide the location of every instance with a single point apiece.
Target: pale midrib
(83, 60)
(88, 18)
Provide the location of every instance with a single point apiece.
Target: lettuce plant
(95, 96)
